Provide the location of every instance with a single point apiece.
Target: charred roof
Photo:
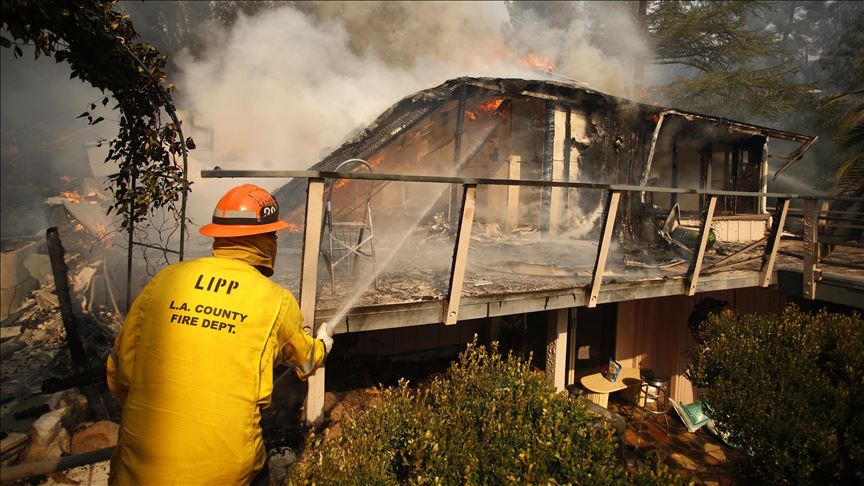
(413, 108)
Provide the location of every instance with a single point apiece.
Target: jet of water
(383, 264)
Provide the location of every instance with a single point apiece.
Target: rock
(683, 461)
(709, 447)
(719, 455)
(711, 460)
(48, 438)
(97, 436)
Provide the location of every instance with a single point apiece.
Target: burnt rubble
(53, 397)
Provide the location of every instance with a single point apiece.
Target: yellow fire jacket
(192, 365)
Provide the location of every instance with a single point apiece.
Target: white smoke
(288, 85)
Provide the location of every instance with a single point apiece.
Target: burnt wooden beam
(460, 255)
(763, 173)
(86, 377)
(811, 246)
(696, 264)
(603, 247)
(457, 152)
(30, 469)
(60, 270)
(312, 174)
(774, 241)
(674, 197)
(314, 409)
(568, 147)
(705, 156)
(548, 147)
(727, 258)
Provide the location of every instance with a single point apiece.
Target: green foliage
(842, 36)
(789, 389)
(490, 420)
(99, 45)
(843, 113)
(850, 175)
(725, 68)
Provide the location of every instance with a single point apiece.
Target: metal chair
(347, 238)
(656, 389)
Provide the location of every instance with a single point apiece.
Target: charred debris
(62, 304)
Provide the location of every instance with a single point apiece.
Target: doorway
(593, 330)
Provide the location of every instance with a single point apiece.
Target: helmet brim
(227, 231)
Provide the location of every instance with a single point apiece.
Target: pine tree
(722, 63)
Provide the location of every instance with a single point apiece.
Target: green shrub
(789, 389)
(490, 420)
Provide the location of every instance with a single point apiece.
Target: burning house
(553, 131)
(573, 224)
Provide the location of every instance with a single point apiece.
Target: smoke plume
(284, 87)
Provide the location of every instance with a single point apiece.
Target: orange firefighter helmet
(243, 211)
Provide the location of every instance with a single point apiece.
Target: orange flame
(486, 107)
(71, 196)
(339, 185)
(533, 60)
(490, 105)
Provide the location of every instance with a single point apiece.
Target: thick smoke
(286, 86)
(40, 139)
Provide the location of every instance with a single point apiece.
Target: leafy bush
(789, 390)
(490, 420)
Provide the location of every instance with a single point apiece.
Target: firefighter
(193, 363)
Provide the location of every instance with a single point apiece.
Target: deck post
(603, 247)
(460, 254)
(811, 246)
(773, 243)
(763, 177)
(572, 352)
(556, 347)
(704, 233)
(314, 409)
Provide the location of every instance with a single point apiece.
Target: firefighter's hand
(325, 334)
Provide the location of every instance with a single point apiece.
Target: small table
(599, 387)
